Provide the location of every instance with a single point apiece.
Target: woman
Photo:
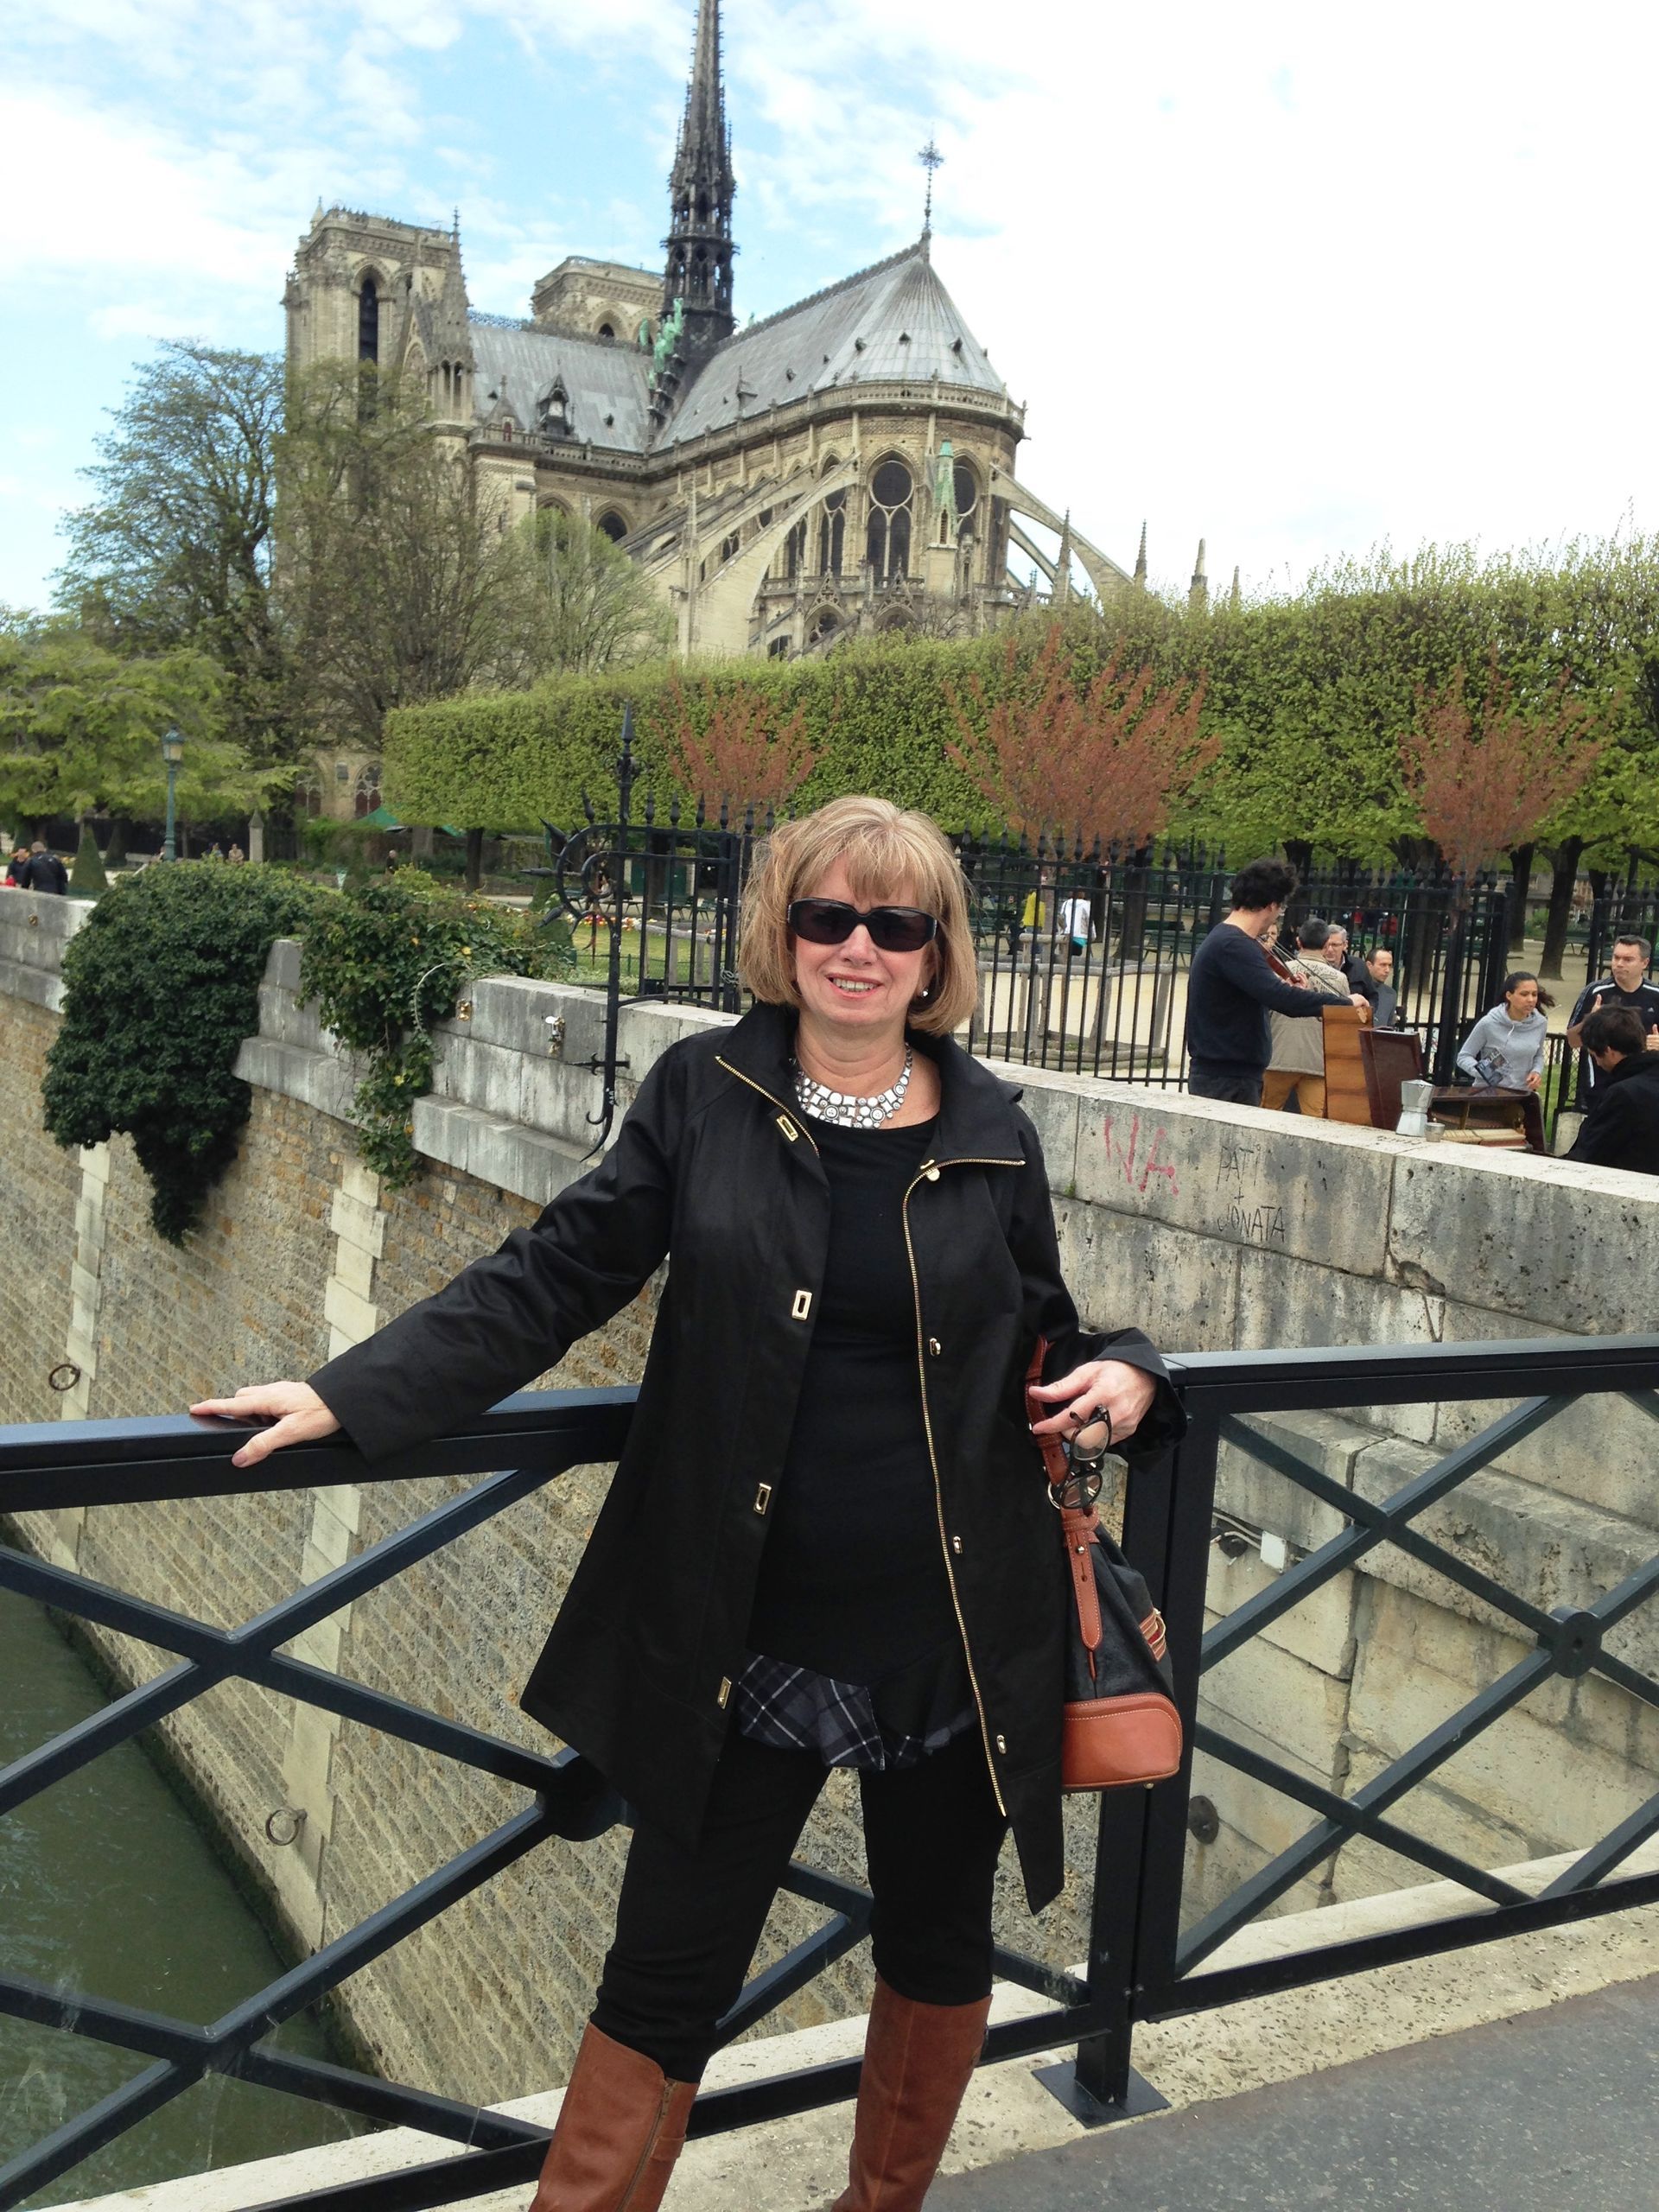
(1505, 1048)
(827, 1540)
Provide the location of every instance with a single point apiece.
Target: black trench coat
(713, 1163)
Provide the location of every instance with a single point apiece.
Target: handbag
(1119, 1724)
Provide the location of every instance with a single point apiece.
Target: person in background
(1621, 1128)
(236, 856)
(17, 869)
(1624, 985)
(1077, 921)
(1378, 986)
(1296, 1068)
(1505, 1048)
(1347, 965)
(45, 872)
(1232, 988)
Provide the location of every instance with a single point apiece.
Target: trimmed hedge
(877, 716)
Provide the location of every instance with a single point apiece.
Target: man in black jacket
(1233, 988)
(46, 872)
(1622, 1127)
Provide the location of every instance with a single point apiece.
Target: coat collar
(976, 1115)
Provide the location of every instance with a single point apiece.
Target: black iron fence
(1143, 1963)
(1083, 954)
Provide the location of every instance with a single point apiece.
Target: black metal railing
(1142, 1963)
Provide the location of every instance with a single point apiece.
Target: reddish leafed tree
(1059, 760)
(727, 751)
(1486, 776)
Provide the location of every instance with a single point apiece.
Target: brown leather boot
(620, 2128)
(919, 2060)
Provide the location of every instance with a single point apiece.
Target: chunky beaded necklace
(846, 1110)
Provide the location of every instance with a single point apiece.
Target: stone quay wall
(1211, 1227)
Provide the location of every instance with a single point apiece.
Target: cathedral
(848, 465)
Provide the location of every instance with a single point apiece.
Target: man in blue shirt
(1233, 988)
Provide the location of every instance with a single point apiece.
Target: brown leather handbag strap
(1077, 1524)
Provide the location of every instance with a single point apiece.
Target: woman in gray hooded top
(1505, 1048)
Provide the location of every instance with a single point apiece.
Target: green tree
(593, 608)
(173, 552)
(80, 731)
(399, 582)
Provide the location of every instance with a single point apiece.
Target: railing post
(1141, 1842)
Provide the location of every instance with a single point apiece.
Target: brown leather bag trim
(1112, 1743)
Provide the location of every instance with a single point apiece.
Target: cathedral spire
(1198, 592)
(701, 188)
(1141, 560)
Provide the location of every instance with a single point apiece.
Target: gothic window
(795, 550)
(967, 487)
(342, 772)
(612, 526)
(728, 547)
(368, 321)
(367, 797)
(832, 534)
(825, 627)
(778, 648)
(888, 540)
(607, 333)
(308, 797)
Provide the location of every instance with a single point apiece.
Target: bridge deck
(1551, 2110)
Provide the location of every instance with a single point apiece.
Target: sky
(1294, 279)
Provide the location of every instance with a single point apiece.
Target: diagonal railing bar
(1626, 1677)
(66, 2146)
(1283, 1970)
(1343, 1812)
(1645, 1401)
(1317, 1569)
(361, 1945)
(1621, 1601)
(371, 2098)
(1283, 1871)
(804, 1962)
(127, 2027)
(178, 1632)
(1614, 1848)
(1053, 1982)
(245, 2024)
(1355, 1506)
(222, 1651)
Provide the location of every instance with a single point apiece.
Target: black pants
(687, 1923)
(1236, 1086)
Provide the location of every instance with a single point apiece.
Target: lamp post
(171, 753)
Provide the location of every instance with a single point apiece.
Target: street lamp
(171, 753)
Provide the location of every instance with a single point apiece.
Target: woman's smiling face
(855, 988)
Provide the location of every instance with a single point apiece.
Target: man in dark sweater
(1232, 989)
(1622, 1127)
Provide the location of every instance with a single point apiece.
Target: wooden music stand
(1345, 1096)
(1389, 1058)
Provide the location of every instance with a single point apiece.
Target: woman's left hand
(1099, 1386)
(1534, 1080)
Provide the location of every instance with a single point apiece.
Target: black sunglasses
(832, 921)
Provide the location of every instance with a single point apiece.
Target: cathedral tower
(701, 190)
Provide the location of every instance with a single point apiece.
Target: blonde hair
(885, 850)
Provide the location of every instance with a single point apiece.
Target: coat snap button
(763, 1498)
(1001, 1743)
(955, 1545)
(932, 1174)
(725, 1691)
(935, 1346)
(802, 1307)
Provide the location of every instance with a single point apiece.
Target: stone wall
(1211, 1227)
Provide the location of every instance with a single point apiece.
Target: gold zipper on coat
(931, 1168)
(792, 1117)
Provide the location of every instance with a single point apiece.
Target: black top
(1622, 1127)
(852, 1581)
(1643, 1003)
(1230, 994)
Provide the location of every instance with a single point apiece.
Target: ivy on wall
(384, 964)
(163, 987)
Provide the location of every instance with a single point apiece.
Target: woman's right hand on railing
(297, 1415)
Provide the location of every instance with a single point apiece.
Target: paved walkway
(1556, 2111)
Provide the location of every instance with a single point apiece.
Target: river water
(107, 1885)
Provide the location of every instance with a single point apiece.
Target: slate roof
(599, 379)
(893, 323)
